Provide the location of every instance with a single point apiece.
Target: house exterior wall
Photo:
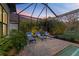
(13, 21)
(11, 24)
(8, 12)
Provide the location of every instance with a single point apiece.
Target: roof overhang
(12, 7)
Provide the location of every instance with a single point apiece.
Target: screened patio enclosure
(34, 12)
(59, 20)
(39, 11)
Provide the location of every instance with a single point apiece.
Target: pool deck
(49, 47)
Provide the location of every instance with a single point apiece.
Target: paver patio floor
(49, 47)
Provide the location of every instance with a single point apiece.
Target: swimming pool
(69, 51)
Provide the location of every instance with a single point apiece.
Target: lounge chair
(38, 34)
(30, 37)
(47, 35)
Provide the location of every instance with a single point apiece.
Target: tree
(25, 26)
(56, 27)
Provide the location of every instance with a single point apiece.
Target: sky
(58, 8)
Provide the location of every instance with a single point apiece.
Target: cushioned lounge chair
(38, 34)
(30, 37)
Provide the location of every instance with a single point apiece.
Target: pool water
(69, 51)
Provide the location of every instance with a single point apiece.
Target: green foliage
(72, 31)
(25, 26)
(5, 46)
(53, 26)
(73, 25)
(56, 27)
(17, 39)
(70, 35)
(34, 29)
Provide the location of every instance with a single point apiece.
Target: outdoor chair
(38, 34)
(30, 37)
(47, 35)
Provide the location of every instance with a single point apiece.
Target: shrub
(15, 40)
(34, 29)
(56, 27)
(18, 39)
(5, 46)
(25, 26)
(69, 35)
